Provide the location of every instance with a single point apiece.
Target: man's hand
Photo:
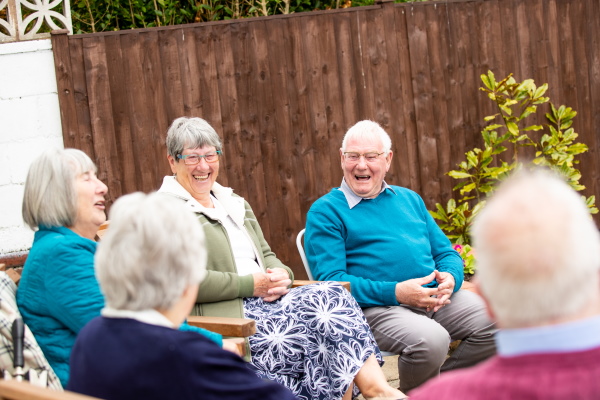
(271, 285)
(412, 293)
(445, 288)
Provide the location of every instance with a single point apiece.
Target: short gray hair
(538, 250)
(50, 196)
(368, 129)
(190, 133)
(152, 251)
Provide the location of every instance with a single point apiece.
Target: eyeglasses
(354, 157)
(193, 159)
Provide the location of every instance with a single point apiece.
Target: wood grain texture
(236, 327)
(13, 390)
(282, 91)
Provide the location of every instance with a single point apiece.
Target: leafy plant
(90, 16)
(468, 255)
(484, 168)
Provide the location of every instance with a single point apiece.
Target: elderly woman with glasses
(313, 339)
(149, 265)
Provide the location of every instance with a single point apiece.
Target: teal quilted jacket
(58, 292)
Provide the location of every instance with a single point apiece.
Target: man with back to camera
(538, 258)
(401, 267)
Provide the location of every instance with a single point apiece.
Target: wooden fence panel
(283, 90)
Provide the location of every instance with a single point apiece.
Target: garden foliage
(506, 139)
(111, 15)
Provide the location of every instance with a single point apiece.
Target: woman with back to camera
(149, 265)
(313, 339)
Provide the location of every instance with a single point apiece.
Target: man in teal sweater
(401, 267)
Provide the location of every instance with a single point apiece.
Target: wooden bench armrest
(300, 282)
(13, 390)
(237, 327)
(240, 343)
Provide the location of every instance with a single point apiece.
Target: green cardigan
(222, 291)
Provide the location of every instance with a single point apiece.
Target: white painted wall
(29, 123)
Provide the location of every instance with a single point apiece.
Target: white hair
(50, 196)
(194, 132)
(152, 251)
(368, 129)
(538, 251)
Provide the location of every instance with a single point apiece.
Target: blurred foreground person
(149, 265)
(538, 254)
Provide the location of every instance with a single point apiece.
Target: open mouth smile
(201, 178)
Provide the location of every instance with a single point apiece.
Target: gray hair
(153, 250)
(368, 129)
(190, 133)
(538, 251)
(50, 196)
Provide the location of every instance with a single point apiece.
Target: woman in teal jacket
(58, 293)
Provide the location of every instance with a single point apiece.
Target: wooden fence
(282, 91)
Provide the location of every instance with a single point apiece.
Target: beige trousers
(421, 338)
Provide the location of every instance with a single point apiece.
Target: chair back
(300, 246)
(34, 359)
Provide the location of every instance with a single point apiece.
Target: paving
(390, 369)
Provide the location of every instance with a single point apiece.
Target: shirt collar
(233, 205)
(150, 316)
(569, 337)
(352, 198)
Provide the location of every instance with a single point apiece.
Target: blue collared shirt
(352, 198)
(568, 337)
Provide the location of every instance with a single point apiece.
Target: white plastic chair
(303, 255)
(300, 246)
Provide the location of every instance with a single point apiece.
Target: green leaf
(451, 205)
(533, 128)
(459, 174)
(512, 128)
(435, 215)
(486, 81)
(468, 188)
(492, 127)
(507, 110)
(472, 158)
(490, 117)
(539, 92)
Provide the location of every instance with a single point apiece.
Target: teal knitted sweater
(376, 244)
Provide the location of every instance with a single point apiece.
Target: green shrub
(90, 16)
(478, 175)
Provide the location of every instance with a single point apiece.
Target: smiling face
(197, 179)
(90, 204)
(365, 178)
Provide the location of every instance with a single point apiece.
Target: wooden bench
(13, 390)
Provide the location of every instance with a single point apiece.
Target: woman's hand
(230, 345)
(271, 285)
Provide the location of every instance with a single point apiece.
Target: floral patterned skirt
(313, 340)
